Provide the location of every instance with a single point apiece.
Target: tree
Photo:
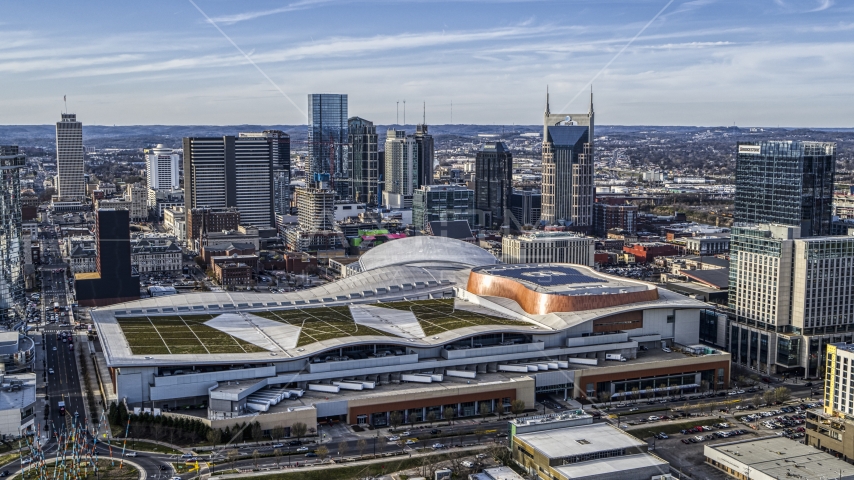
(322, 452)
(782, 394)
(298, 430)
(231, 457)
(200, 261)
(478, 434)
(647, 391)
(663, 389)
(603, 397)
(704, 385)
(517, 406)
(255, 457)
(361, 445)
(500, 453)
(769, 396)
(448, 414)
(757, 400)
(395, 419)
(635, 393)
(256, 431)
(484, 410)
(277, 432)
(278, 454)
(214, 435)
(431, 417)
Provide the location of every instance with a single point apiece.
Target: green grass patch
(670, 428)
(143, 446)
(437, 316)
(178, 335)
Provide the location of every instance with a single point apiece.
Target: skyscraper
(786, 182)
(364, 160)
(115, 281)
(568, 167)
(69, 159)
(223, 172)
(401, 169)
(327, 135)
(11, 256)
(493, 182)
(790, 285)
(162, 168)
(424, 144)
(280, 143)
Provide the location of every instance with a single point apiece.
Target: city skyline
(700, 62)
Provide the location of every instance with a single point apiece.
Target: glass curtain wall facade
(493, 183)
(11, 259)
(364, 160)
(786, 182)
(69, 158)
(327, 136)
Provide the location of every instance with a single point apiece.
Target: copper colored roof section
(537, 300)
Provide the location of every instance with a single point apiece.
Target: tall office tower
(11, 256)
(493, 183)
(162, 168)
(401, 169)
(364, 160)
(786, 182)
(426, 155)
(790, 285)
(70, 183)
(568, 167)
(222, 172)
(280, 144)
(114, 280)
(327, 135)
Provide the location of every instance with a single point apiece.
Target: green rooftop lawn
(179, 335)
(321, 323)
(437, 316)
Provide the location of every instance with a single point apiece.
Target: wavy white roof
(425, 249)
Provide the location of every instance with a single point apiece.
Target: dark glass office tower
(424, 142)
(364, 160)
(493, 183)
(785, 182)
(115, 281)
(327, 135)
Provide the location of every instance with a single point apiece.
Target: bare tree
(298, 430)
(322, 452)
(431, 417)
(635, 393)
(278, 454)
(277, 433)
(361, 445)
(231, 457)
(448, 414)
(484, 410)
(255, 457)
(782, 394)
(214, 435)
(517, 406)
(478, 434)
(395, 419)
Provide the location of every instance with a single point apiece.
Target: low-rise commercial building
(584, 452)
(155, 254)
(647, 252)
(773, 458)
(548, 247)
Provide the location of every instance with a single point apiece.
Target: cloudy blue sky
(697, 62)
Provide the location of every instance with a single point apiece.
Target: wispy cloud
(242, 17)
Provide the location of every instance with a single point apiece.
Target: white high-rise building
(401, 167)
(70, 185)
(162, 168)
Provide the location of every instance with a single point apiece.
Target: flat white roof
(570, 441)
(626, 463)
